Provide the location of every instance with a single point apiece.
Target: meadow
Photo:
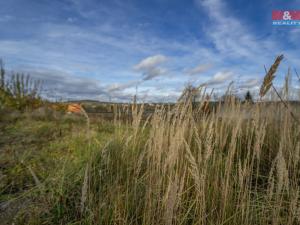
(236, 162)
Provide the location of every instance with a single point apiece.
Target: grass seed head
(269, 77)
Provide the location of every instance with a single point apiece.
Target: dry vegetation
(237, 164)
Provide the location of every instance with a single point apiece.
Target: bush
(19, 91)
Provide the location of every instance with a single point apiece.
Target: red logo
(286, 15)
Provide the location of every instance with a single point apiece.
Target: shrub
(19, 91)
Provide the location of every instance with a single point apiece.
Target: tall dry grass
(236, 165)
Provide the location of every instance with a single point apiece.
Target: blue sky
(103, 50)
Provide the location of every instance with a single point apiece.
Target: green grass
(39, 151)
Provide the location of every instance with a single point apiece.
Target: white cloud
(150, 67)
(250, 83)
(121, 87)
(153, 72)
(219, 78)
(199, 69)
(59, 84)
(150, 62)
(230, 36)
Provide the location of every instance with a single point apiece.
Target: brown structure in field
(74, 108)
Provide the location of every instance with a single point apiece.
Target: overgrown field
(238, 164)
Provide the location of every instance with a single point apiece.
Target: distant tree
(248, 97)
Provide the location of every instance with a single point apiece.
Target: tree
(248, 97)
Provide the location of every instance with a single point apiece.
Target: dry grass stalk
(87, 118)
(269, 77)
(84, 190)
(171, 199)
(278, 95)
(36, 179)
(287, 83)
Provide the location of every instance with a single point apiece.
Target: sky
(108, 50)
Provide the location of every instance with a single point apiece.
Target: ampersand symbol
(286, 15)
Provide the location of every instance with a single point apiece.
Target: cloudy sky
(108, 49)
